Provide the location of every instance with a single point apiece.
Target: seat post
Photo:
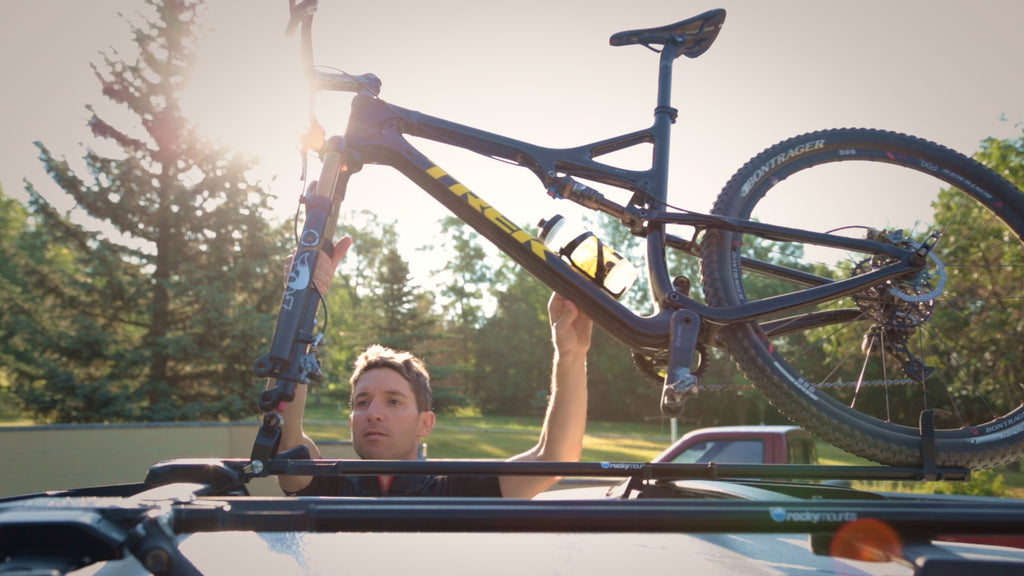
(664, 117)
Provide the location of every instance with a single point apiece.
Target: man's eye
(395, 402)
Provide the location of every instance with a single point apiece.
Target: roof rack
(232, 474)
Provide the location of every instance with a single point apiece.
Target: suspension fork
(292, 359)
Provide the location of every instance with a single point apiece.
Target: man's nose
(374, 412)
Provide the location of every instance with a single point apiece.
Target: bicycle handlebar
(343, 82)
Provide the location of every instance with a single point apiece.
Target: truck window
(725, 451)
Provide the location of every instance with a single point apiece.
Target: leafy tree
(461, 291)
(987, 267)
(466, 273)
(512, 374)
(58, 322)
(381, 303)
(405, 319)
(982, 483)
(167, 307)
(23, 311)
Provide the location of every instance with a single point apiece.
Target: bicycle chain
(730, 387)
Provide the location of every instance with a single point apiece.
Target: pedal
(680, 381)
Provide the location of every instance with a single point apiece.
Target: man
(391, 414)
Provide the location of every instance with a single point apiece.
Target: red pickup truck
(743, 445)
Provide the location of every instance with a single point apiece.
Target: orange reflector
(867, 539)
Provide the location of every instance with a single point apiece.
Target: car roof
(752, 429)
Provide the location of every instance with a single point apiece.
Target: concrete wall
(41, 458)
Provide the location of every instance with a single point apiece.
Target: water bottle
(588, 255)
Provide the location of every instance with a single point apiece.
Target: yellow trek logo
(492, 214)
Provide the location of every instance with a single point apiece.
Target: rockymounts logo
(622, 466)
(780, 514)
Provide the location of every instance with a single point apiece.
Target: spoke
(975, 228)
(954, 361)
(863, 369)
(924, 385)
(885, 378)
(824, 383)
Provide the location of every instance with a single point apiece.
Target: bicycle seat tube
(664, 116)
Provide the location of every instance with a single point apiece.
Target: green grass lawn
(469, 435)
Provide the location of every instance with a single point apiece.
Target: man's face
(386, 424)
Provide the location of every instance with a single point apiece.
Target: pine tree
(169, 306)
(461, 289)
(372, 301)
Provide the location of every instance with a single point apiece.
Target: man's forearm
(566, 420)
(291, 431)
(292, 435)
(561, 438)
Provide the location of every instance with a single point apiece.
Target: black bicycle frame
(376, 135)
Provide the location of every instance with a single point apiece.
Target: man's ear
(427, 420)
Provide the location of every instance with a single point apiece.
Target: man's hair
(408, 366)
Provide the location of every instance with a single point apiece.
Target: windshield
(726, 451)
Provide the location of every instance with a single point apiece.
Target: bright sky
(541, 71)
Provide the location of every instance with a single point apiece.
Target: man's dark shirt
(464, 486)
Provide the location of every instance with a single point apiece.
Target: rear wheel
(859, 372)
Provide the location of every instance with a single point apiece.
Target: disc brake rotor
(905, 302)
(921, 281)
(898, 307)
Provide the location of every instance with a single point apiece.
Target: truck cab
(743, 445)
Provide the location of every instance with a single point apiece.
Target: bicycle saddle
(691, 37)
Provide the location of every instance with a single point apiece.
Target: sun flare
(251, 106)
(246, 91)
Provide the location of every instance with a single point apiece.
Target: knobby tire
(951, 339)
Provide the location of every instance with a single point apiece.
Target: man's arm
(292, 435)
(561, 438)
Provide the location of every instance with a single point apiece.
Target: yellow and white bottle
(588, 255)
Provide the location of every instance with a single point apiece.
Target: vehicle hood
(455, 554)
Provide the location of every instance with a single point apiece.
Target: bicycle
(894, 335)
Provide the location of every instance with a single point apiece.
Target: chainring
(656, 367)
